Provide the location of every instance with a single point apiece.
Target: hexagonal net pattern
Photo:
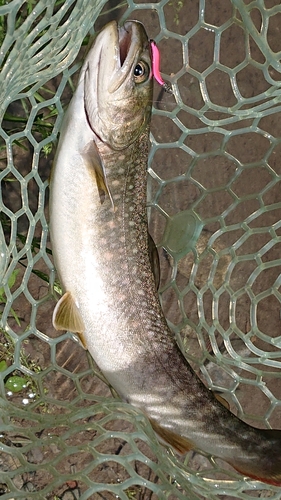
(215, 208)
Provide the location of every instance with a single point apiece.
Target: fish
(103, 255)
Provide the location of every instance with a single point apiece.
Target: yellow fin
(81, 340)
(222, 400)
(179, 443)
(93, 161)
(154, 260)
(66, 316)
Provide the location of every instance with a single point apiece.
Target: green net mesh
(215, 210)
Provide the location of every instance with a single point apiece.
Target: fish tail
(261, 461)
(258, 456)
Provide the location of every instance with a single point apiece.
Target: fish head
(118, 84)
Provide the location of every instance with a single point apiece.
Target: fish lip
(117, 49)
(128, 41)
(128, 46)
(124, 38)
(121, 40)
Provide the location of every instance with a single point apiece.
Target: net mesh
(215, 210)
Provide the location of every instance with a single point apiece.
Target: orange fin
(81, 340)
(66, 316)
(258, 475)
(179, 443)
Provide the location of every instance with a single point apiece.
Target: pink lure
(155, 58)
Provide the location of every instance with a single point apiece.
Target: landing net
(215, 210)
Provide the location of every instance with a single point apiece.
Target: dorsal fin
(66, 316)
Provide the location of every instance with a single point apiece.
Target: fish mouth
(129, 42)
(125, 37)
(116, 51)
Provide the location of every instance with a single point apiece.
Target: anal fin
(66, 316)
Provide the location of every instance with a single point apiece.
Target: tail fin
(262, 464)
(260, 458)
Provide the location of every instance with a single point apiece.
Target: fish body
(98, 225)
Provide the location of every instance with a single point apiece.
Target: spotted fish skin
(98, 225)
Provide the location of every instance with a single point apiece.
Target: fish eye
(141, 72)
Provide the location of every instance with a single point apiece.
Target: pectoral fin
(179, 443)
(66, 316)
(93, 161)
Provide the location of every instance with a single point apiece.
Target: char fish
(98, 225)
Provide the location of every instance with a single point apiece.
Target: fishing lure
(155, 58)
